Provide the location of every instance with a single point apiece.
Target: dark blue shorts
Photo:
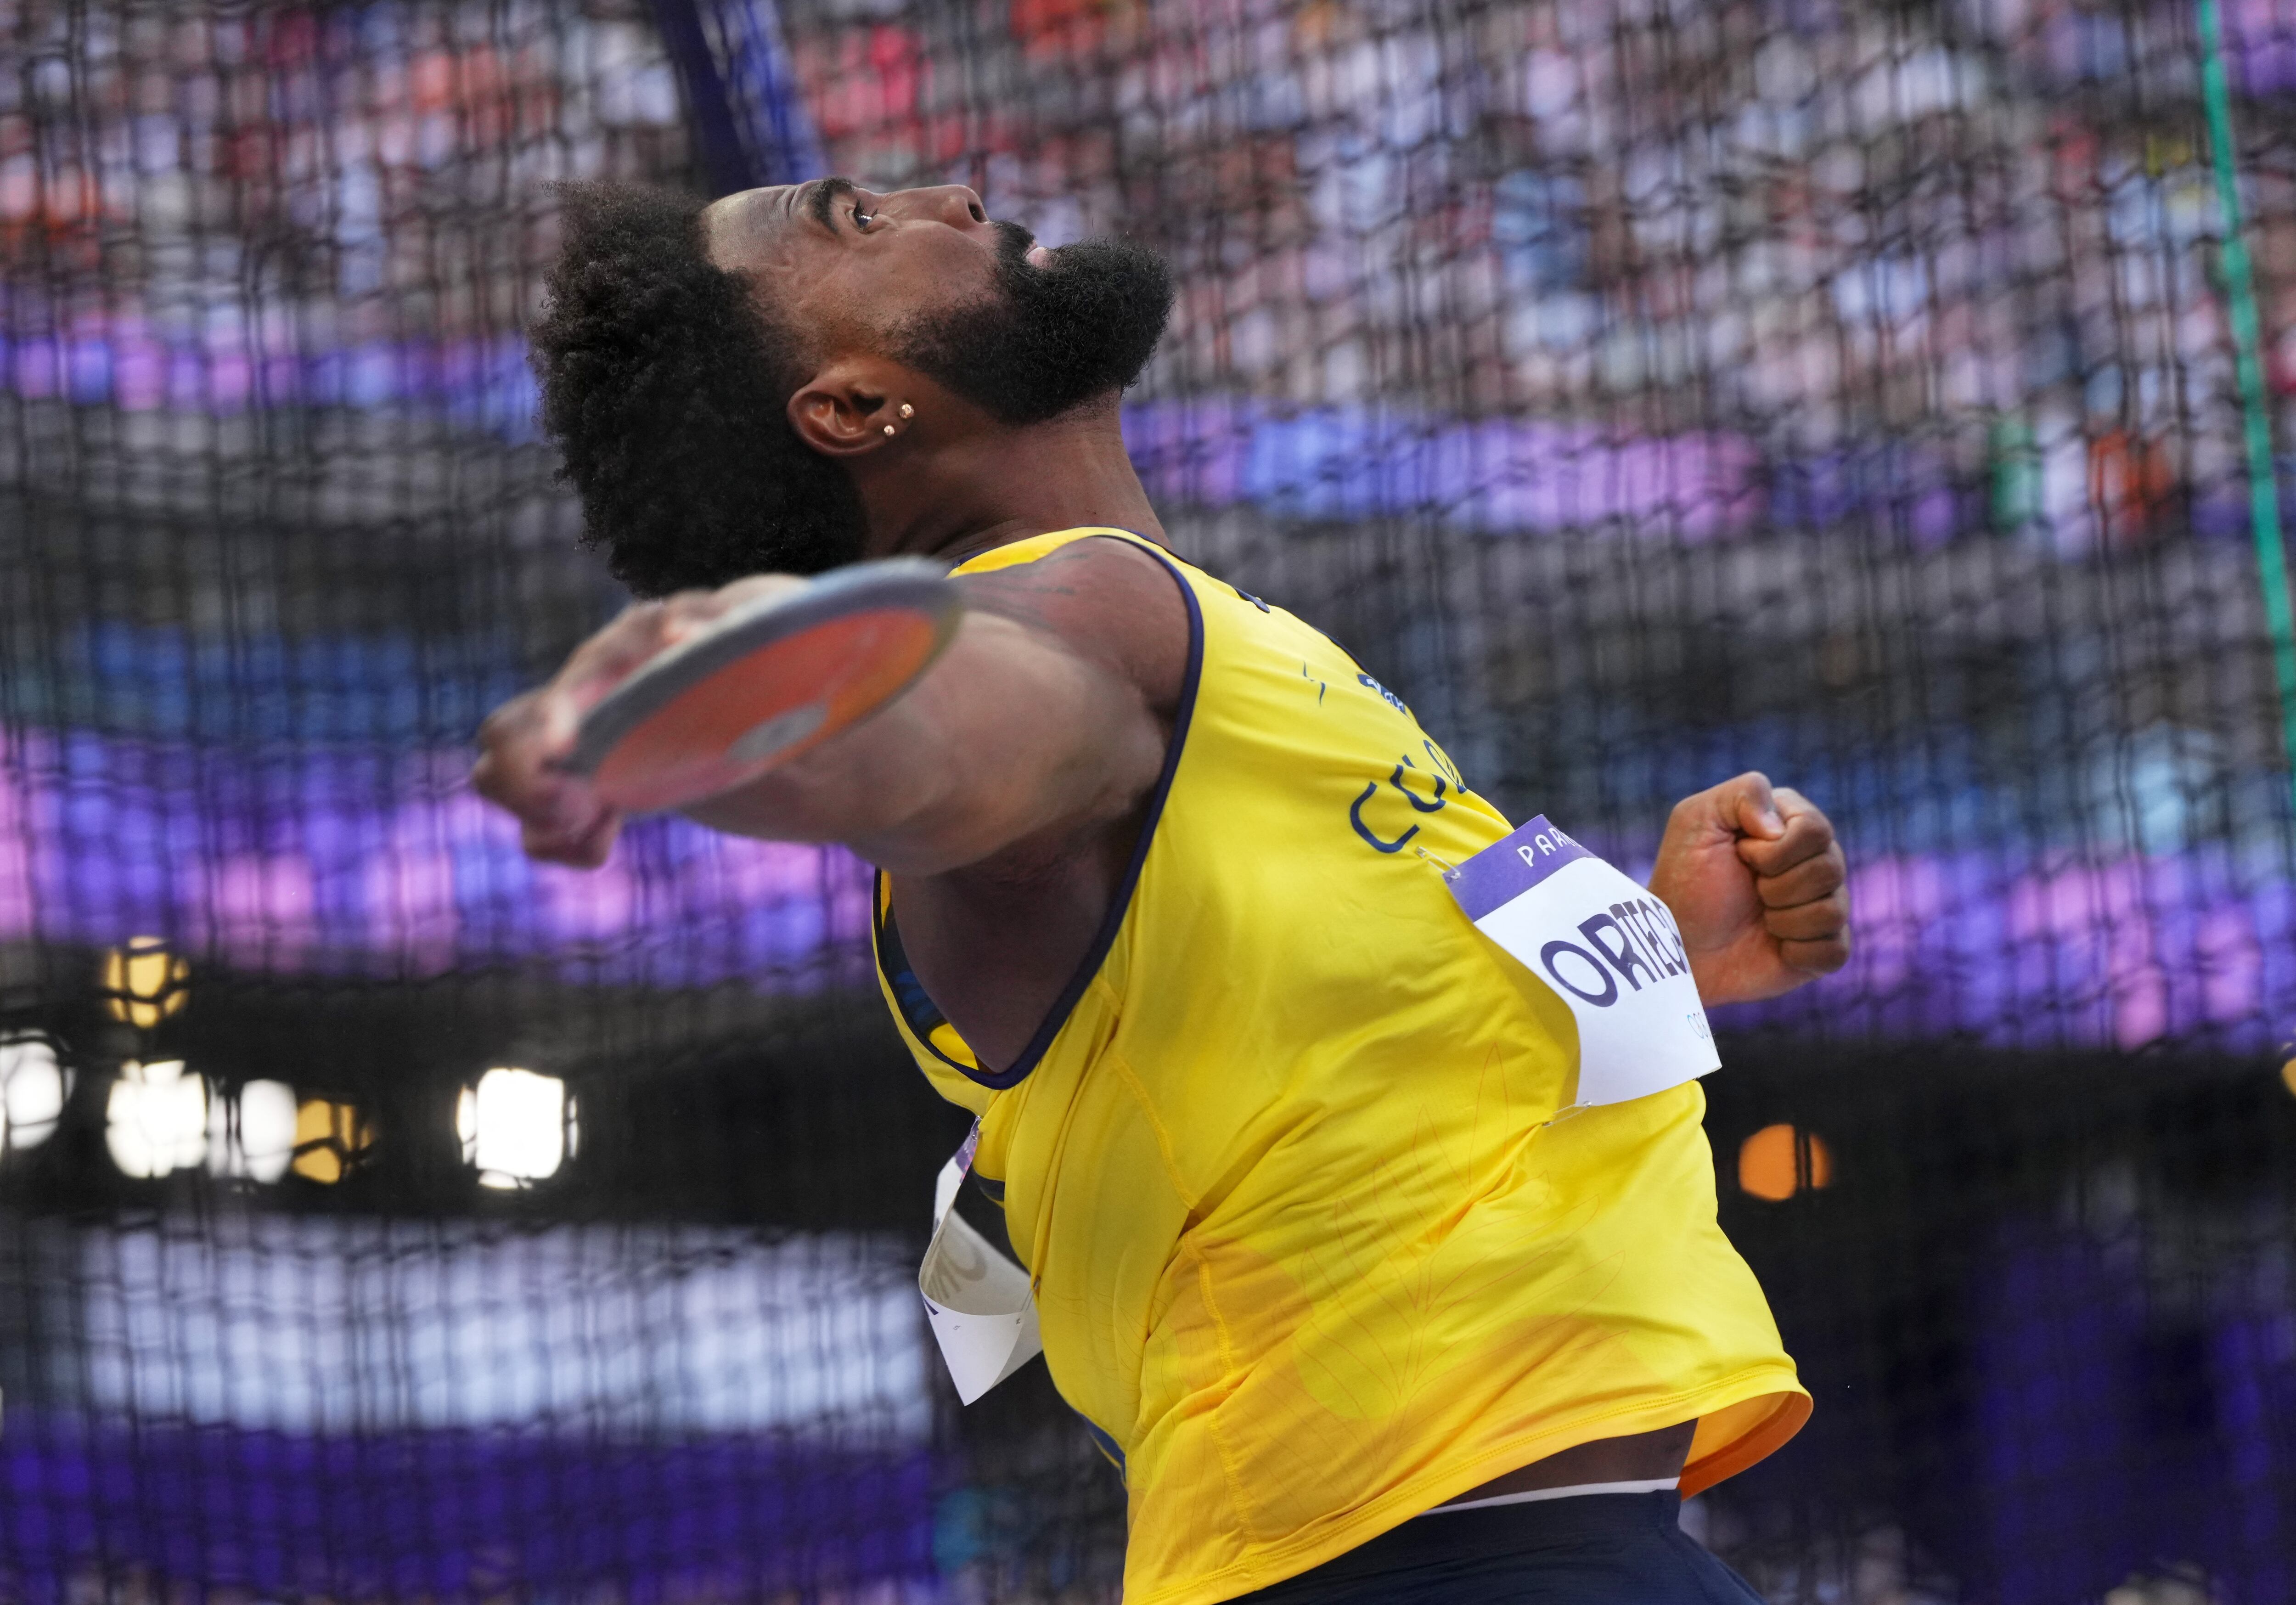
(1595, 1549)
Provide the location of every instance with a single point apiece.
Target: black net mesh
(1648, 390)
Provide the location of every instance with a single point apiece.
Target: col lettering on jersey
(1609, 948)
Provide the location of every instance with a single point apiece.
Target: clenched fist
(561, 818)
(1758, 883)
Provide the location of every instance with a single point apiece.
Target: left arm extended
(1758, 883)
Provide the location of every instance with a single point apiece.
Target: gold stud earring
(908, 411)
(889, 429)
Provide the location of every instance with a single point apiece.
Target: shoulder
(1106, 600)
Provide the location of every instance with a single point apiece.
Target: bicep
(1010, 735)
(1049, 710)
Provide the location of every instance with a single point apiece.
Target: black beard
(1052, 338)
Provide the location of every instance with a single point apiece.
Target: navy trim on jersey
(918, 1010)
(1102, 1441)
(902, 981)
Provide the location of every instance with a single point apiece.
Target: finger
(510, 724)
(520, 739)
(1723, 811)
(1805, 882)
(1746, 806)
(598, 842)
(565, 807)
(1807, 834)
(1823, 956)
(527, 731)
(551, 806)
(513, 723)
(577, 856)
(744, 591)
(549, 803)
(606, 659)
(1810, 922)
(585, 846)
(486, 776)
(1792, 805)
(685, 612)
(509, 767)
(1805, 838)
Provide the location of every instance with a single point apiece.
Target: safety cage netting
(1645, 390)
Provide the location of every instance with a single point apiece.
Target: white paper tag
(1609, 950)
(983, 1315)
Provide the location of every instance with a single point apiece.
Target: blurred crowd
(214, 208)
(1986, 229)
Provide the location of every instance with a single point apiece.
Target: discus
(761, 685)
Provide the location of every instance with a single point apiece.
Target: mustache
(1013, 242)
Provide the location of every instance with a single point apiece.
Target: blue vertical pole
(726, 159)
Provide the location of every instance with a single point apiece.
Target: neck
(966, 492)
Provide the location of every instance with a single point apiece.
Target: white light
(156, 1119)
(514, 1126)
(266, 1128)
(33, 1087)
(264, 1139)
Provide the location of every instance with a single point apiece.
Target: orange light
(329, 1138)
(1818, 1161)
(1778, 1161)
(2287, 1075)
(145, 982)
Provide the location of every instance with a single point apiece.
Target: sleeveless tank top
(1317, 1241)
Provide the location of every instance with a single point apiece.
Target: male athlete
(1369, 1303)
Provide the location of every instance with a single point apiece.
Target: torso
(1280, 1139)
(993, 943)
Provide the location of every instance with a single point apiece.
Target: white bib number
(983, 1315)
(1609, 949)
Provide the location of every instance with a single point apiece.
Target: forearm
(1049, 711)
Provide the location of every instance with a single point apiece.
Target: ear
(843, 410)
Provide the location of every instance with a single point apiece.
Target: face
(846, 262)
(924, 277)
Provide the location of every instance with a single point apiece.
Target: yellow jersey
(1316, 1240)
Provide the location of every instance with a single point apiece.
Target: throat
(1001, 485)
